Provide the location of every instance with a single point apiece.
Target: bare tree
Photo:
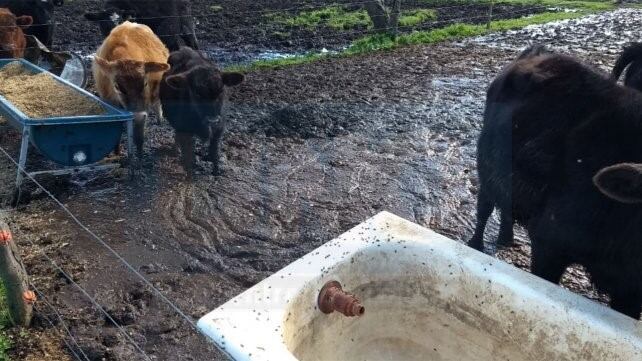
(384, 14)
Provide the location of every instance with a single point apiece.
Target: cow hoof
(218, 171)
(505, 241)
(474, 244)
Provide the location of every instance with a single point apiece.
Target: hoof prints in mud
(308, 121)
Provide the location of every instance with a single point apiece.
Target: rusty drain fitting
(333, 298)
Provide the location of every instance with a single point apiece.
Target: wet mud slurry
(312, 150)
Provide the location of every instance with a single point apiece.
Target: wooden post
(490, 13)
(14, 278)
(384, 17)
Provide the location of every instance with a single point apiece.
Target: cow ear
(152, 67)
(232, 79)
(621, 182)
(24, 21)
(101, 16)
(105, 65)
(177, 81)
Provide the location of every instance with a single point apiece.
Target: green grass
(451, 32)
(583, 4)
(276, 63)
(595, 5)
(338, 18)
(384, 41)
(335, 17)
(416, 17)
(5, 323)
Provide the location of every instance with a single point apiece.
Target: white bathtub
(426, 298)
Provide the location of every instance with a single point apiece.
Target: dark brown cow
(12, 38)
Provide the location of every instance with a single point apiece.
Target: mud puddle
(596, 38)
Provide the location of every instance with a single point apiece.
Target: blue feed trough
(76, 143)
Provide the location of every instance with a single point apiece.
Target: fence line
(221, 13)
(86, 294)
(111, 250)
(62, 271)
(340, 35)
(44, 298)
(63, 338)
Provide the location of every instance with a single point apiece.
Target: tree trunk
(14, 278)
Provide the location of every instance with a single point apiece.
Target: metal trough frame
(26, 125)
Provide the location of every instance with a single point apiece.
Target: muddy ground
(309, 154)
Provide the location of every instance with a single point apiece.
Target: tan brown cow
(12, 39)
(128, 68)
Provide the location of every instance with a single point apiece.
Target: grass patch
(338, 18)
(5, 323)
(416, 17)
(335, 17)
(596, 5)
(571, 4)
(276, 63)
(450, 32)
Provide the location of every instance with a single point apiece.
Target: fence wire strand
(62, 271)
(344, 34)
(112, 251)
(64, 340)
(44, 299)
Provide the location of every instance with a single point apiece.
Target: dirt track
(310, 153)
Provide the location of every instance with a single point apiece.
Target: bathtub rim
(234, 329)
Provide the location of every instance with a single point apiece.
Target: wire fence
(263, 34)
(57, 322)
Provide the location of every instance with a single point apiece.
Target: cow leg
(185, 142)
(624, 302)
(139, 132)
(485, 208)
(158, 110)
(505, 237)
(546, 261)
(216, 140)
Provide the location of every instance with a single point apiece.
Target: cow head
(12, 39)
(621, 182)
(205, 85)
(135, 83)
(110, 18)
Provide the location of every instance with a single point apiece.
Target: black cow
(630, 58)
(171, 20)
(495, 165)
(193, 94)
(495, 162)
(42, 13)
(575, 138)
